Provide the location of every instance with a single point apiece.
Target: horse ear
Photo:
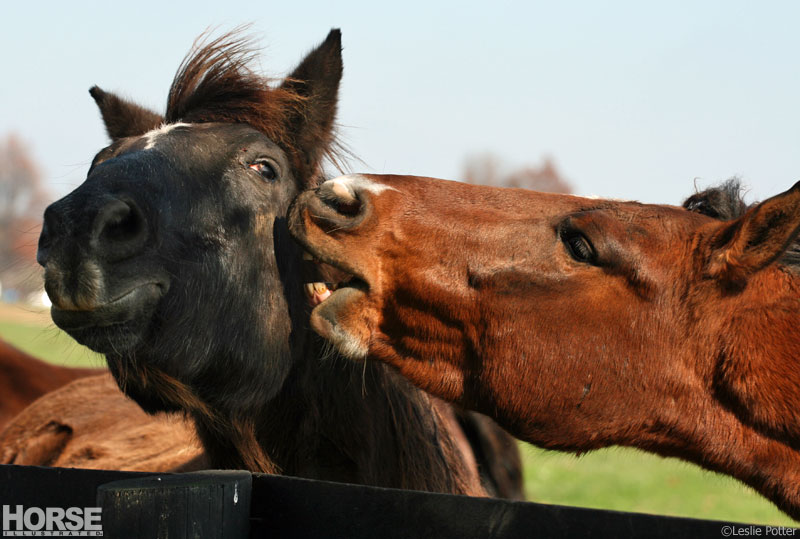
(757, 239)
(123, 118)
(316, 80)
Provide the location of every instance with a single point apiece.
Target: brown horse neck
(755, 363)
(712, 436)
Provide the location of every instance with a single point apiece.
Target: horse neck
(740, 416)
(338, 420)
(711, 435)
(777, 287)
(756, 370)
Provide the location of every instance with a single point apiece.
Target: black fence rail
(237, 504)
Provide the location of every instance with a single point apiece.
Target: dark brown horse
(576, 323)
(173, 259)
(23, 379)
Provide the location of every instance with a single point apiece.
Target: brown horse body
(23, 379)
(78, 418)
(89, 423)
(577, 323)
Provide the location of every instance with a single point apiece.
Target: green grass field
(615, 478)
(630, 480)
(49, 343)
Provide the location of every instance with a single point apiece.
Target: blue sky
(631, 99)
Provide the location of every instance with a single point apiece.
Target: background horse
(89, 423)
(173, 259)
(78, 418)
(24, 378)
(577, 323)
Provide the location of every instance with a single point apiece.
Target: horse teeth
(309, 287)
(317, 288)
(320, 288)
(317, 293)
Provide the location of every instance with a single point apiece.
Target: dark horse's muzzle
(94, 249)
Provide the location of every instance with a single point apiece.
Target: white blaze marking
(351, 182)
(153, 136)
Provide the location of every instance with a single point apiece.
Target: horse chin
(116, 326)
(118, 338)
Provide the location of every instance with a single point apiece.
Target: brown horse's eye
(578, 246)
(264, 168)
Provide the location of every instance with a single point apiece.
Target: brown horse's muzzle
(333, 207)
(337, 221)
(336, 224)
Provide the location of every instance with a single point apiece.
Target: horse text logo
(51, 521)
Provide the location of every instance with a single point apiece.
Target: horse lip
(343, 266)
(324, 317)
(123, 308)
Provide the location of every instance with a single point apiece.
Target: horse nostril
(346, 200)
(119, 230)
(349, 208)
(43, 251)
(341, 197)
(49, 229)
(42, 255)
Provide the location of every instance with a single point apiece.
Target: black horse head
(166, 259)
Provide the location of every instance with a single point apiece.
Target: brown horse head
(577, 323)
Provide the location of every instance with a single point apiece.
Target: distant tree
(22, 193)
(483, 169)
(22, 201)
(486, 169)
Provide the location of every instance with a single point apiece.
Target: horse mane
(726, 202)
(215, 83)
(723, 202)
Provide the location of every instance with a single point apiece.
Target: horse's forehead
(640, 223)
(184, 136)
(152, 137)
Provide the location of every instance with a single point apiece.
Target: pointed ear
(316, 80)
(757, 239)
(123, 118)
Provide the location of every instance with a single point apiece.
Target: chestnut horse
(89, 423)
(23, 379)
(60, 416)
(576, 323)
(174, 261)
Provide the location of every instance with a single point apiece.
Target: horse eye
(578, 246)
(264, 168)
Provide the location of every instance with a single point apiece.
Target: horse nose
(342, 196)
(337, 205)
(343, 205)
(119, 230)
